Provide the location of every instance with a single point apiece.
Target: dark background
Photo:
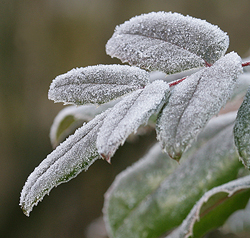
(40, 39)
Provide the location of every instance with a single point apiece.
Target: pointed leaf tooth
(71, 157)
(127, 115)
(168, 42)
(194, 101)
(96, 84)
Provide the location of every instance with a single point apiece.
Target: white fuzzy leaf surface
(96, 84)
(127, 115)
(169, 42)
(194, 101)
(242, 131)
(71, 157)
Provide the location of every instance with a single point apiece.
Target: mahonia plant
(155, 195)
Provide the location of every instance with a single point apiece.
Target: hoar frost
(127, 115)
(168, 42)
(71, 157)
(194, 101)
(96, 84)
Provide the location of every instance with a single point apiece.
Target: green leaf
(242, 131)
(96, 84)
(169, 42)
(214, 207)
(70, 158)
(167, 200)
(194, 101)
(239, 222)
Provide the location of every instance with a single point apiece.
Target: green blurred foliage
(42, 39)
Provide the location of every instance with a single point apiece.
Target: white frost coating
(167, 41)
(80, 114)
(74, 155)
(127, 115)
(194, 101)
(185, 230)
(96, 84)
(242, 131)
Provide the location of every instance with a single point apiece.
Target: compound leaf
(194, 101)
(71, 157)
(128, 114)
(242, 131)
(96, 84)
(169, 42)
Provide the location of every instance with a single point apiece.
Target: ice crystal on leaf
(154, 196)
(168, 42)
(72, 117)
(127, 115)
(71, 157)
(96, 84)
(194, 101)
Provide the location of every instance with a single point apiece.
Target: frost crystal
(242, 131)
(168, 42)
(74, 155)
(194, 101)
(96, 84)
(73, 117)
(128, 115)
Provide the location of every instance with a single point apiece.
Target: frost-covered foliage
(156, 195)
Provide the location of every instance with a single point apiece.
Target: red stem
(176, 82)
(246, 64)
(208, 65)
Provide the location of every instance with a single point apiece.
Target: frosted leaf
(74, 155)
(127, 115)
(168, 42)
(96, 84)
(152, 197)
(242, 130)
(216, 197)
(73, 117)
(194, 101)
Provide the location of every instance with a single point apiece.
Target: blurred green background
(41, 39)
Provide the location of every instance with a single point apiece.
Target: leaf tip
(106, 157)
(24, 209)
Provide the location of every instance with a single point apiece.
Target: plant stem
(176, 82)
(245, 64)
